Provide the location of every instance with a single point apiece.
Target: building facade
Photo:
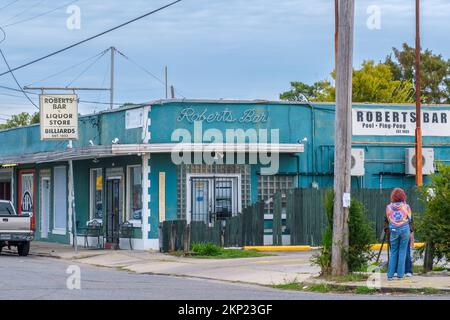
(202, 160)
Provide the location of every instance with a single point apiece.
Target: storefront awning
(137, 149)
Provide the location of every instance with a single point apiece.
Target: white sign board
(133, 118)
(397, 122)
(59, 116)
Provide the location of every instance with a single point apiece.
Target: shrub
(434, 226)
(206, 249)
(361, 236)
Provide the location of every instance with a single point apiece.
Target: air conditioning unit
(357, 168)
(427, 161)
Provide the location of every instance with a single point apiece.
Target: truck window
(6, 209)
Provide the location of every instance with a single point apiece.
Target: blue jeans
(408, 262)
(399, 238)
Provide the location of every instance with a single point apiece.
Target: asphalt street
(35, 277)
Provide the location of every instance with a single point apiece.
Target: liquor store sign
(59, 116)
(395, 122)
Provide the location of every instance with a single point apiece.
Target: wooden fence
(306, 217)
(243, 229)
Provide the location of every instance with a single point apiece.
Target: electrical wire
(146, 71)
(14, 77)
(90, 38)
(68, 68)
(86, 69)
(9, 4)
(24, 11)
(80, 100)
(39, 15)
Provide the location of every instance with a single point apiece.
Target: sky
(214, 49)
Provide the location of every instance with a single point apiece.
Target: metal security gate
(214, 198)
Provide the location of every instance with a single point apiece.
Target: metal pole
(166, 83)
(111, 97)
(72, 203)
(419, 164)
(343, 137)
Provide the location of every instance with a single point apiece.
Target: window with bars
(184, 169)
(268, 185)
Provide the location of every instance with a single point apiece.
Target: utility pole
(111, 96)
(419, 164)
(166, 83)
(336, 29)
(343, 137)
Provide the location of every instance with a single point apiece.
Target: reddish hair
(398, 195)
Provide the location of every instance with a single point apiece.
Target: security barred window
(183, 170)
(268, 185)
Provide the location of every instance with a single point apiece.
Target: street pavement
(35, 277)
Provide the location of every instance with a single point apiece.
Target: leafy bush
(206, 249)
(434, 226)
(361, 236)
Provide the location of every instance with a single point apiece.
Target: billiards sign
(399, 122)
(59, 116)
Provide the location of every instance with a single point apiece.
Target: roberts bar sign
(59, 116)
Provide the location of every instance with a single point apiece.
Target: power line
(84, 101)
(69, 68)
(86, 69)
(90, 38)
(40, 15)
(145, 70)
(9, 4)
(27, 9)
(15, 79)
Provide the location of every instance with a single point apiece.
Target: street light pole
(418, 145)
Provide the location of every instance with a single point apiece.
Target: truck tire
(23, 249)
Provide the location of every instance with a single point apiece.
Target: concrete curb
(288, 248)
(351, 286)
(278, 248)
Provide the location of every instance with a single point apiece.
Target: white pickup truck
(15, 230)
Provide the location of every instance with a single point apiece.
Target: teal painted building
(203, 160)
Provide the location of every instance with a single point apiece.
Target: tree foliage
(20, 120)
(434, 226)
(434, 70)
(361, 236)
(391, 81)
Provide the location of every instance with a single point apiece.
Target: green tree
(434, 226)
(371, 83)
(20, 120)
(319, 91)
(435, 72)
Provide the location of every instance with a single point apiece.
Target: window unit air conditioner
(357, 168)
(427, 160)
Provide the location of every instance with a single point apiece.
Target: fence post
(276, 222)
(173, 235)
(187, 239)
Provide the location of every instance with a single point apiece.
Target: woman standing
(398, 214)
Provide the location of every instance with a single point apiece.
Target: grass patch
(365, 290)
(212, 251)
(351, 277)
(232, 254)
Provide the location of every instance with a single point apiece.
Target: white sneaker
(409, 275)
(395, 275)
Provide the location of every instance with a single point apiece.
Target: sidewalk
(282, 268)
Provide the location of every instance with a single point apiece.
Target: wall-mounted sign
(392, 122)
(134, 118)
(59, 116)
(248, 116)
